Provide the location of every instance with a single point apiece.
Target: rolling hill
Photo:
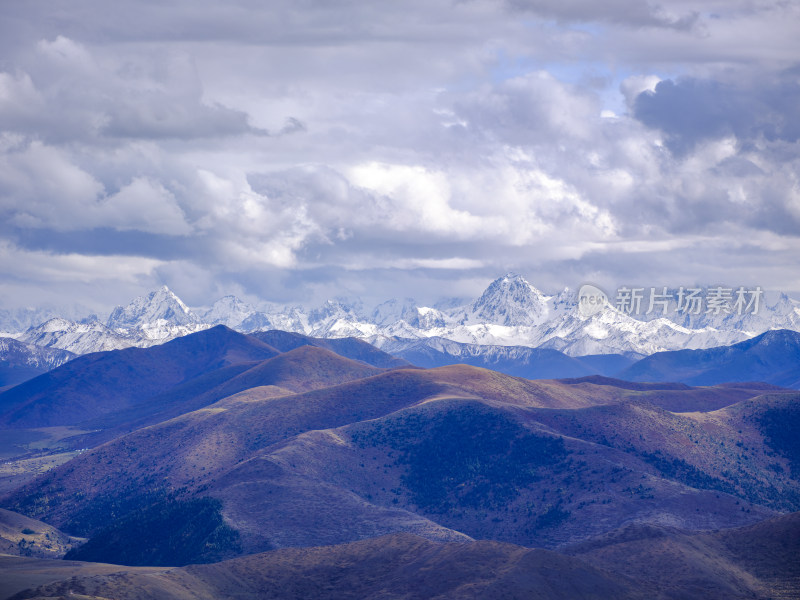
(397, 566)
(120, 390)
(99, 383)
(757, 561)
(446, 453)
(301, 369)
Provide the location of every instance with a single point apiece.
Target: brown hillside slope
(22, 536)
(475, 467)
(303, 369)
(397, 566)
(191, 450)
(18, 574)
(637, 562)
(726, 450)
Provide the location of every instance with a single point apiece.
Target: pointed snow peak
(166, 294)
(783, 304)
(54, 324)
(512, 282)
(513, 277)
(161, 304)
(510, 300)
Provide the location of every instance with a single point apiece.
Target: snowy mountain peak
(395, 310)
(54, 324)
(229, 311)
(511, 301)
(335, 309)
(160, 305)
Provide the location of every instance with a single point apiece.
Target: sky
(295, 150)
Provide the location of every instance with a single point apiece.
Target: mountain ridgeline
(509, 313)
(202, 367)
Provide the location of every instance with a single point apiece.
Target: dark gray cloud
(106, 242)
(691, 110)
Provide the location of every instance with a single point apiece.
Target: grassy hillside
(22, 536)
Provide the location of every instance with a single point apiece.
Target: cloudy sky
(292, 150)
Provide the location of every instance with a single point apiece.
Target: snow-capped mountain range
(510, 312)
(76, 337)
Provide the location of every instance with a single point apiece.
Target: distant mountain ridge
(78, 338)
(351, 348)
(520, 361)
(510, 312)
(772, 357)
